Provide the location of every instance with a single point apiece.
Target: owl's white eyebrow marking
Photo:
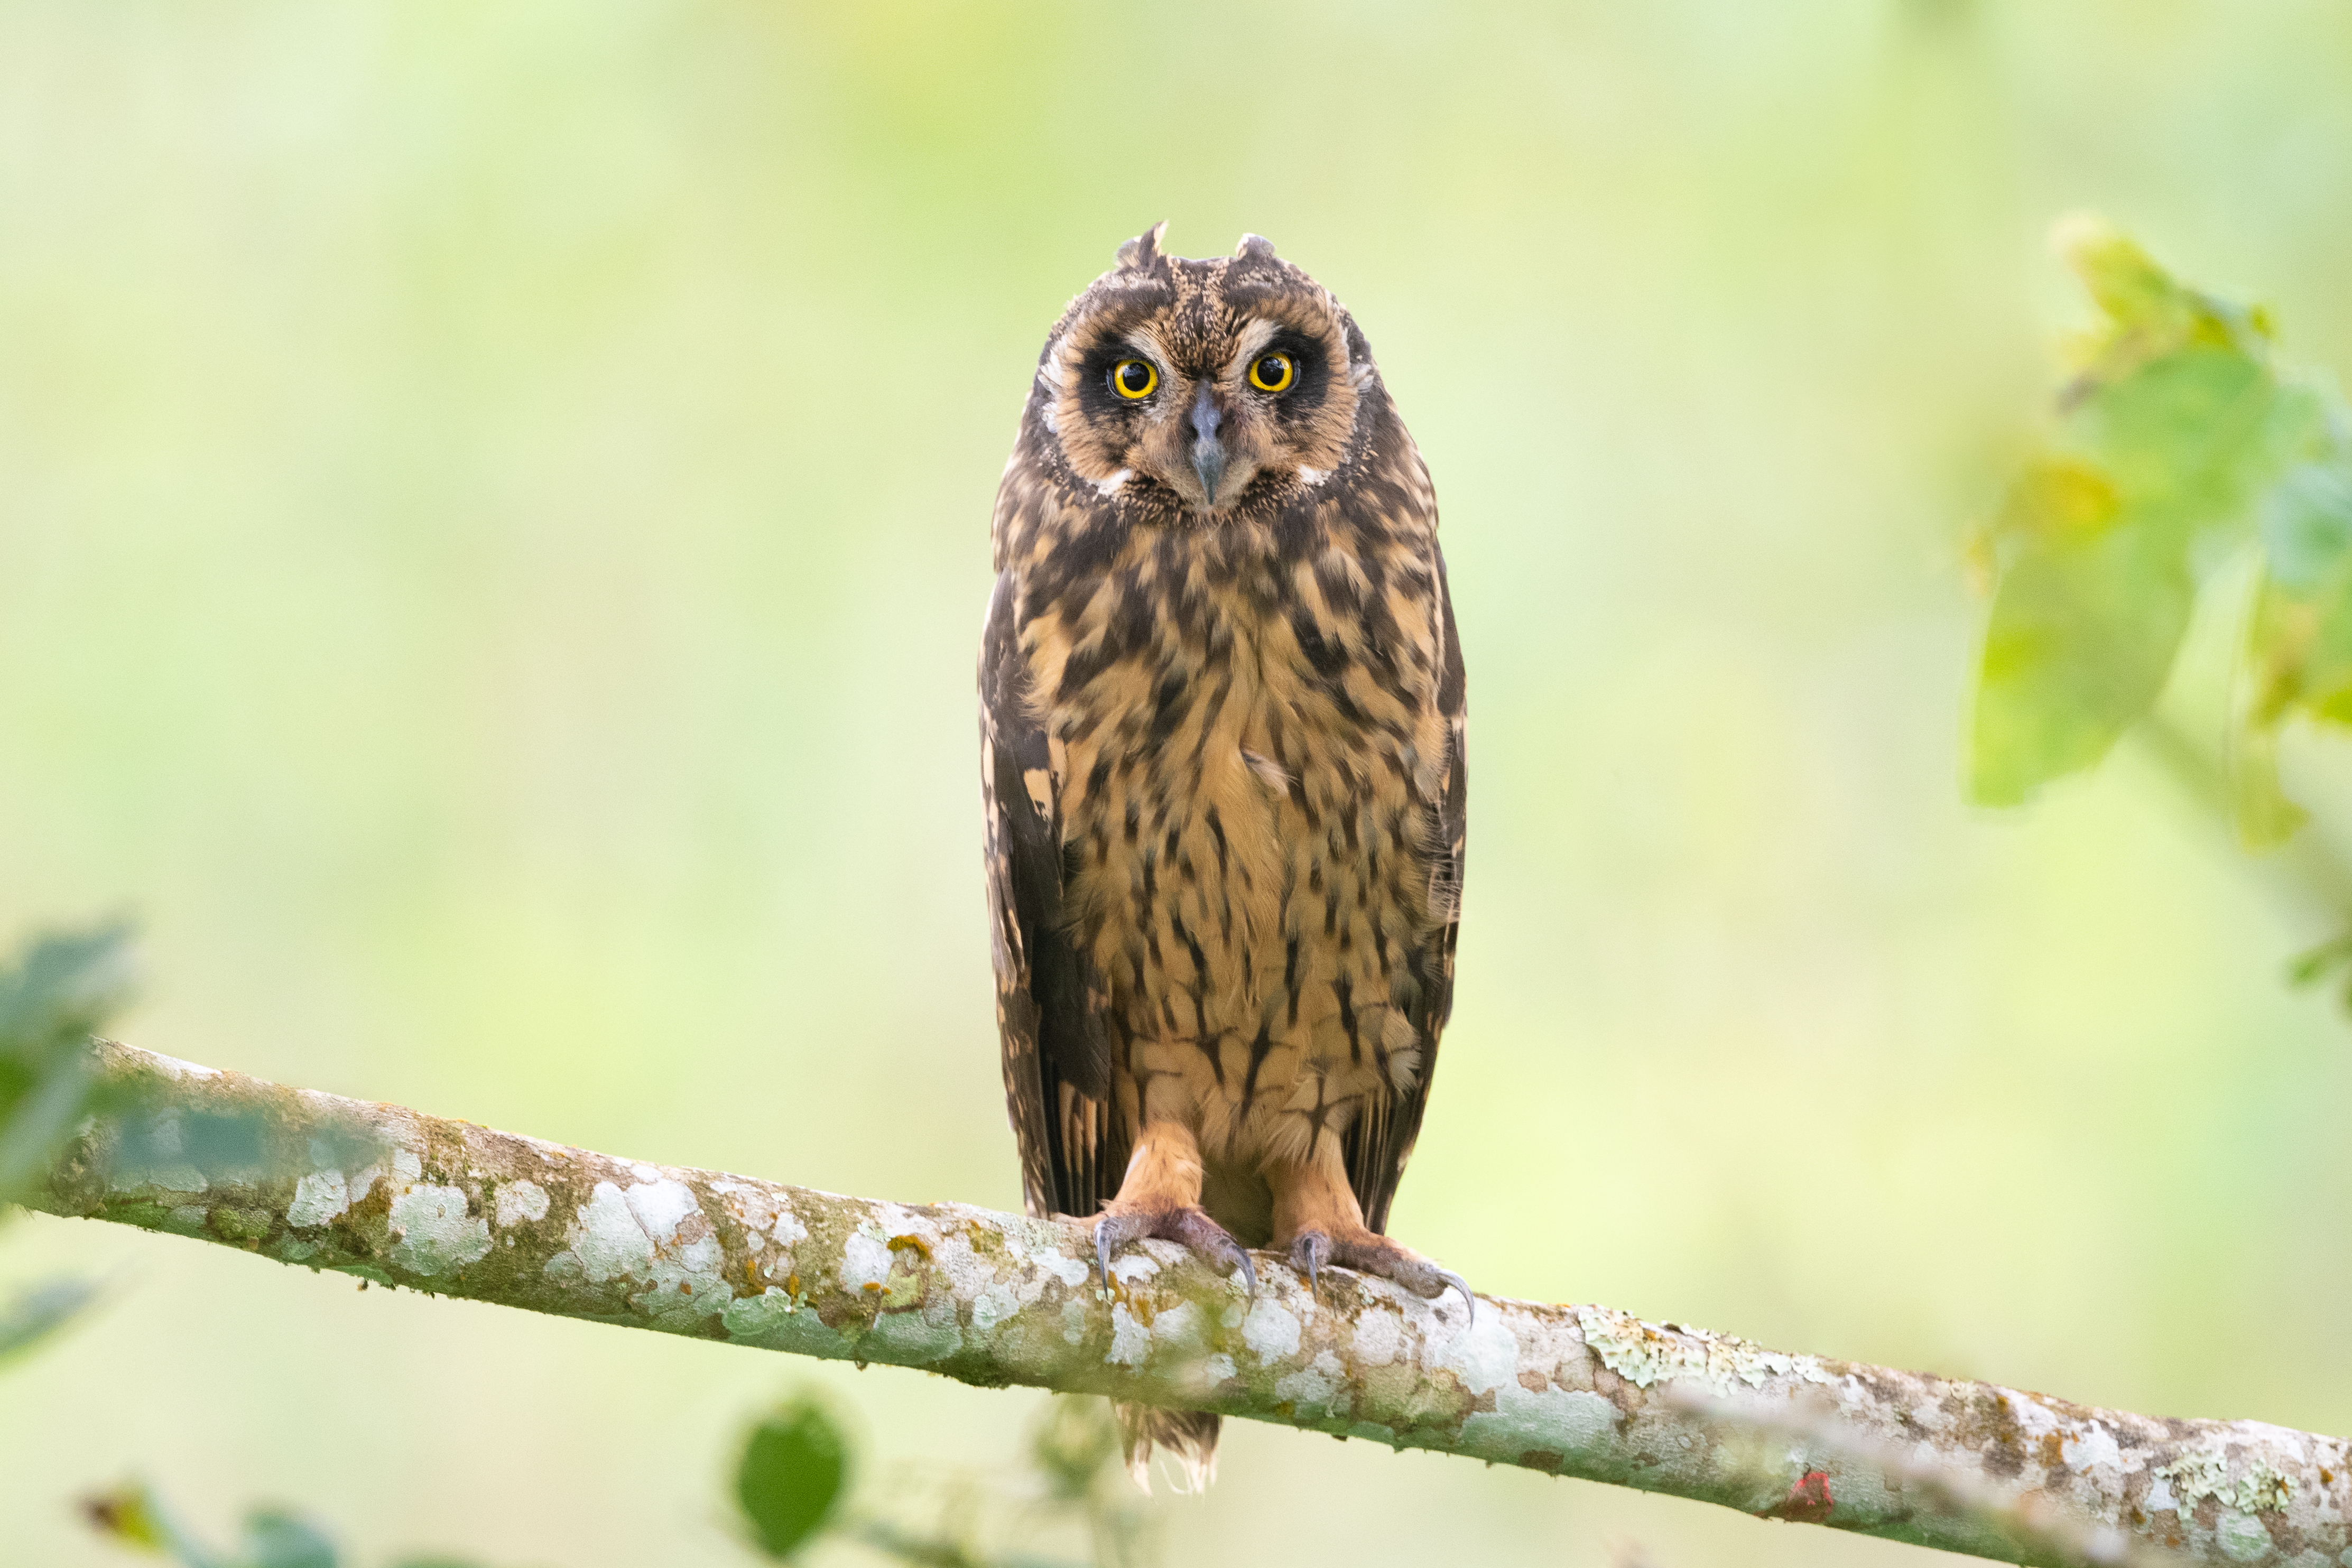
(1253, 337)
(1110, 487)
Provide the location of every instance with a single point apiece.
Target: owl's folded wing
(1049, 1004)
(1381, 1139)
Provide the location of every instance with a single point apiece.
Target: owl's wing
(1381, 1140)
(1049, 1005)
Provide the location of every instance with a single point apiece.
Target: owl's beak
(1208, 452)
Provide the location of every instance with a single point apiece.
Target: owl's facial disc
(1222, 385)
(1207, 429)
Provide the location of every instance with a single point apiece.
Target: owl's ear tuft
(1254, 247)
(1142, 253)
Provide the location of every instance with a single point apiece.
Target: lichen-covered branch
(457, 1209)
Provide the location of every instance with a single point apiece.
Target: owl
(1221, 714)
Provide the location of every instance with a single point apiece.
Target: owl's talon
(1308, 1253)
(1102, 1249)
(1206, 1239)
(1370, 1253)
(1211, 1242)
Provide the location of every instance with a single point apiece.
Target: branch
(456, 1209)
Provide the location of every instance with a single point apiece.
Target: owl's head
(1200, 387)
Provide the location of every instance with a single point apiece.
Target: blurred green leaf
(275, 1539)
(790, 1476)
(2144, 312)
(127, 1514)
(2260, 810)
(2179, 441)
(53, 998)
(2185, 438)
(2311, 966)
(2299, 639)
(2081, 639)
(34, 1314)
(2306, 525)
(1074, 1443)
(133, 1516)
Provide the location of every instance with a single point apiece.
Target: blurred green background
(493, 534)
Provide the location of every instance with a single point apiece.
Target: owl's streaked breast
(1250, 754)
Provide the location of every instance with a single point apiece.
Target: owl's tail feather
(1190, 1437)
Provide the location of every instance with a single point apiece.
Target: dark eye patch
(1305, 394)
(1096, 396)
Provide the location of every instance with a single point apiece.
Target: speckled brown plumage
(1222, 706)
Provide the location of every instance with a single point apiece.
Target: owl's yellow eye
(1133, 378)
(1273, 372)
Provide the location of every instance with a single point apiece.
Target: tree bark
(456, 1209)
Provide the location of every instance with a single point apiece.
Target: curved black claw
(1106, 1237)
(1308, 1254)
(1462, 1285)
(1209, 1239)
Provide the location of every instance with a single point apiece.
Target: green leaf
(127, 1515)
(34, 1315)
(52, 999)
(2147, 313)
(2299, 645)
(2176, 434)
(2081, 639)
(2315, 965)
(2326, 686)
(790, 1476)
(61, 988)
(1076, 1441)
(2123, 280)
(2260, 810)
(134, 1516)
(2306, 525)
(275, 1539)
(2186, 438)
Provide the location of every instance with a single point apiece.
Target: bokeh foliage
(792, 1484)
(793, 1466)
(2182, 441)
(791, 1481)
(132, 1515)
(54, 995)
(56, 992)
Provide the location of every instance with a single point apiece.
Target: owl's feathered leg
(1317, 1220)
(1160, 1196)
